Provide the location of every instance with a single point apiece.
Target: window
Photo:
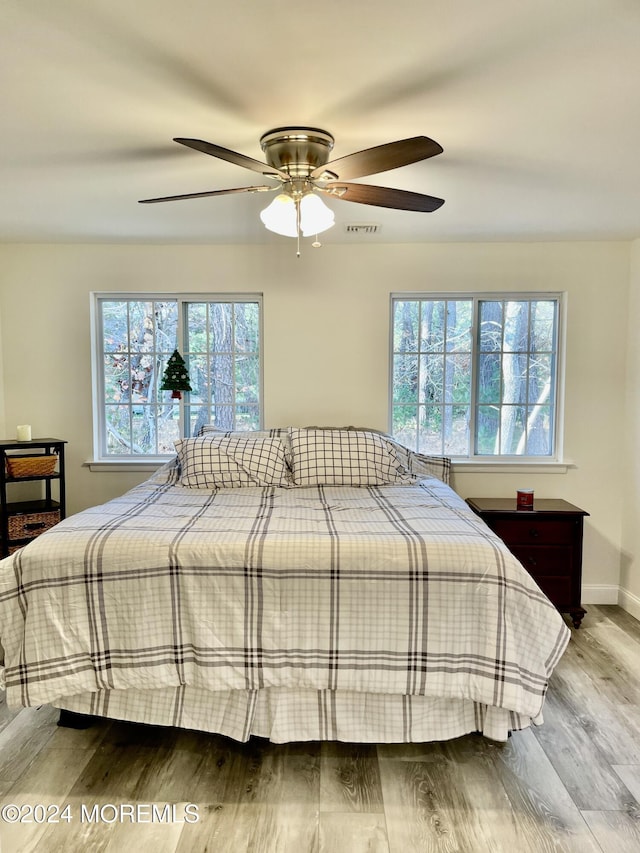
(476, 376)
(220, 340)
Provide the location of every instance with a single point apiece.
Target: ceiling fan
(298, 159)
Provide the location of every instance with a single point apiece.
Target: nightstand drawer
(557, 589)
(539, 562)
(524, 531)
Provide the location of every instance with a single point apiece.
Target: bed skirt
(284, 716)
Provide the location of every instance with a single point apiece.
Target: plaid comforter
(385, 589)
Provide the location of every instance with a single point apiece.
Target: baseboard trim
(629, 602)
(601, 594)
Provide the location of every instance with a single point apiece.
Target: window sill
(477, 466)
(461, 466)
(129, 465)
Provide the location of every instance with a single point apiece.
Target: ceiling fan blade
(206, 194)
(231, 156)
(381, 158)
(384, 196)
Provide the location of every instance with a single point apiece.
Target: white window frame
(143, 461)
(506, 462)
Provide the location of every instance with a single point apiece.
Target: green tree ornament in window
(176, 376)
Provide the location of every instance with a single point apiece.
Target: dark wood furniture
(23, 520)
(548, 542)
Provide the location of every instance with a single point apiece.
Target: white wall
(630, 573)
(3, 429)
(326, 318)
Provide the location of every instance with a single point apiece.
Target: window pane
(431, 378)
(489, 378)
(115, 326)
(516, 326)
(222, 378)
(143, 423)
(247, 327)
(222, 417)
(168, 425)
(405, 326)
(197, 417)
(490, 326)
(514, 378)
(143, 374)
(141, 326)
(487, 430)
(539, 431)
(543, 322)
(197, 327)
(221, 326)
(118, 426)
(405, 425)
(405, 379)
(166, 326)
(116, 377)
(199, 377)
(459, 316)
(512, 426)
(456, 433)
(247, 379)
(458, 378)
(539, 378)
(432, 332)
(247, 417)
(430, 430)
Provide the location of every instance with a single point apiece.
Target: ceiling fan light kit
(291, 213)
(281, 216)
(298, 158)
(315, 216)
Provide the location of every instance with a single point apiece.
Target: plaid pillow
(421, 465)
(281, 433)
(412, 462)
(435, 466)
(228, 462)
(344, 458)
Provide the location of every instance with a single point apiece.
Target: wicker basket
(28, 525)
(31, 466)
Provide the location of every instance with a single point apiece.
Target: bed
(295, 584)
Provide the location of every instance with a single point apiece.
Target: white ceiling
(535, 102)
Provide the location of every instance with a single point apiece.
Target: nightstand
(548, 542)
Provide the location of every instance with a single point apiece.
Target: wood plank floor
(570, 785)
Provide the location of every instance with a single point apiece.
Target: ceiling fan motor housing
(297, 150)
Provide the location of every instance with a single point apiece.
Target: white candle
(24, 432)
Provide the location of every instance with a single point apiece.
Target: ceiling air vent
(362, 228)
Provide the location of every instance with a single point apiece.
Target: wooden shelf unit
(23, 520)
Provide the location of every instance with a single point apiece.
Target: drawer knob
(534, 533)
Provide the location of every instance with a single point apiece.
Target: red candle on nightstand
(524, 499)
